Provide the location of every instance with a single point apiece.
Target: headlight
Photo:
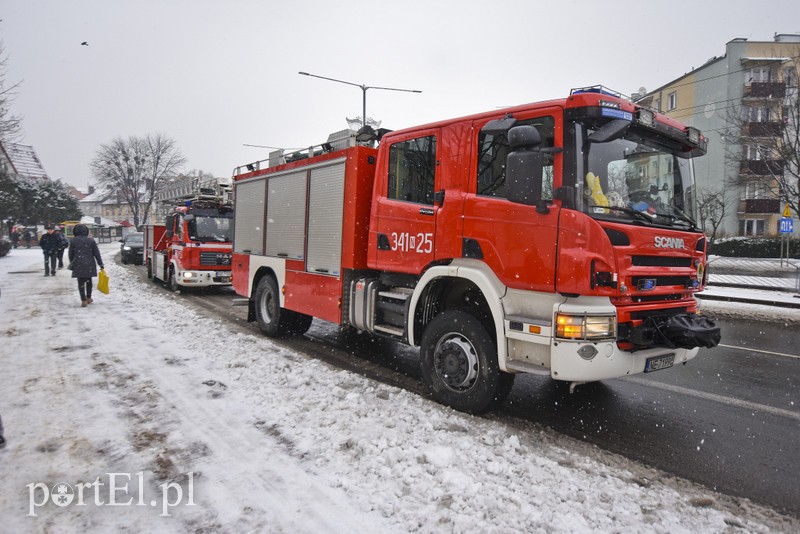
(126, 247)
(585, 327)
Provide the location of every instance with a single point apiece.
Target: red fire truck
(193, 247)
(556, 238)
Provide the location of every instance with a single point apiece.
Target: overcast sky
(218, 75)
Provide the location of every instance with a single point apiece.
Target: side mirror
(524, 166)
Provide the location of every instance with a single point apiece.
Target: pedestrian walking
(15, 237)
(27, 237)
(50, 244)
(84, 256)
(2, 439)
(63, 245)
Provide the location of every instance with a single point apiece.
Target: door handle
(438, 197)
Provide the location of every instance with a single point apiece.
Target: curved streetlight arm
(363, 88)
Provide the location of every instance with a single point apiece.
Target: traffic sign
(786, 211)
(786, 225)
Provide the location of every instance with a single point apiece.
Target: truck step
(391, 330)
(397, 293)
(240, 302)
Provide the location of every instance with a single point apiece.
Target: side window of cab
(493, 150)
(412, 170)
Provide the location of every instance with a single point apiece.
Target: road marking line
(716, 398)
(761, 351)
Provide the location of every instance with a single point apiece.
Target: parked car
(132, 248)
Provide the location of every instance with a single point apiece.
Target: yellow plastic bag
(102, 282)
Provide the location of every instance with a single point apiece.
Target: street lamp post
(363, 88)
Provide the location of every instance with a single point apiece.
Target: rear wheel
(459, 363)
(273, 320)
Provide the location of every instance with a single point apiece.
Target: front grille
(661, 261)
(683, 281)
(656, 298)
(641, 315)
(215, 258)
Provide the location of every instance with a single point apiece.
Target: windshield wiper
(679, 215)
(630, 211)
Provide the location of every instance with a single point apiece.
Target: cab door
(403, 236)
(517, 241)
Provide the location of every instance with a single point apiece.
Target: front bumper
(203, 278)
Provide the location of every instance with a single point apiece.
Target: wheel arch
(463, 284)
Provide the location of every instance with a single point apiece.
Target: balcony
(763, 129)
(764, 90)
(760, 205)
(761, 167)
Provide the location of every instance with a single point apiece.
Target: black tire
(273, 320)
(172, 283)
(149, 269)
(459, 363)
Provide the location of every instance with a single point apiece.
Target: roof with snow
(87, 219)
(23, 160)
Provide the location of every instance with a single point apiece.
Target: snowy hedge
(752, 247)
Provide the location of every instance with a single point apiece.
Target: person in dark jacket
(84, 257)
(64, 245)
(50, 244)
(2, 439)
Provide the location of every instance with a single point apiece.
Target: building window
(752, 153)
(672, 101)
(751, 226)
(756, 114)
(755, 190)
(789, 76)
(759, 74)
(412, 170)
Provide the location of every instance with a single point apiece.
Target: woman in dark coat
(83, 254)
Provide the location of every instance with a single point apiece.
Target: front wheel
(149, 269)
(172, 282)
(459, 363)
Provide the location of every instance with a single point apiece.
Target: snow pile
(257, 437)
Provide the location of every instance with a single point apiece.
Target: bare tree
(712, 207)
(10, 124)
(136, 168)
(165, 162)
(764, 136)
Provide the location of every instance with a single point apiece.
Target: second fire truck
(193, 246)
(556, 238)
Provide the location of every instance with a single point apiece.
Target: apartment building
(742, 102)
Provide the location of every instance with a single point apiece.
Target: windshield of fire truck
(634, 178)
(214, 228)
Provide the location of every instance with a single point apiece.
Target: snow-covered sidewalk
(184, 425)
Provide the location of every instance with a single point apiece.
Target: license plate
(659, 362)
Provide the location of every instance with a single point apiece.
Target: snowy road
(140, 394)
